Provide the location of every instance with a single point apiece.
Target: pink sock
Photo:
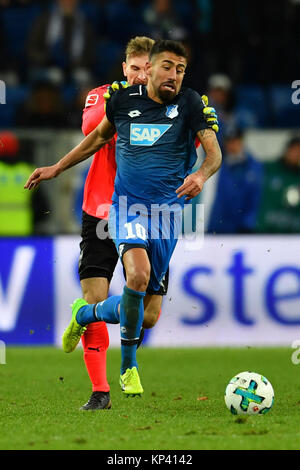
(95, 343)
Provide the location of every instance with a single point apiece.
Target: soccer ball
(249, 393)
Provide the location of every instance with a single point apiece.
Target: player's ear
(124, 66)
(148, 68)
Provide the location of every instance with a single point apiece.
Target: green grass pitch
(182, 407)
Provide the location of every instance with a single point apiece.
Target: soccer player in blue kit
(155, 125)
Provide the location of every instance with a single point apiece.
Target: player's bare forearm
(86, 148)
(213, 155)
(193, 184)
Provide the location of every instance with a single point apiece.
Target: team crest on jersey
(172, 111)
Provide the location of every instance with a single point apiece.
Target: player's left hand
(41, 174)
(114, 87)
(191, 187)
(210, 115)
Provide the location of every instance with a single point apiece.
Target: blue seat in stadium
(17, 22)
(124, 19)
(108, 54)
(285, 113)
(69, 93)
(15, 96)
(91, 10)
(251, 106)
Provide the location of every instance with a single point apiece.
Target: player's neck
(152, 95)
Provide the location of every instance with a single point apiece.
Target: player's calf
(152, 310)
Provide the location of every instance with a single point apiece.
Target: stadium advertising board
(26, 291)
(232, 291)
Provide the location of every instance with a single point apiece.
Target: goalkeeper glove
(114, 87)
(210, 115)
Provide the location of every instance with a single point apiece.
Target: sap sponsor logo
(280, 290)
(147, 134)
(11, 297)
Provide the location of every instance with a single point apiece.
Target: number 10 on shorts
(136, 230)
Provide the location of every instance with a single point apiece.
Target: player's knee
(138, 279)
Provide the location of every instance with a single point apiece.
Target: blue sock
(107, 311)
(131, 320)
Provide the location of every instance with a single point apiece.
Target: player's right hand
(114, 87)
(210, 115)
(41, 174)
(191, 187)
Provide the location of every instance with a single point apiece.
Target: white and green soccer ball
(249, 393)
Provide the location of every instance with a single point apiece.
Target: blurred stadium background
(242, 285)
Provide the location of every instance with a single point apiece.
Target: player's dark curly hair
(167, 45)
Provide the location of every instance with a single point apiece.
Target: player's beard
(166, 96)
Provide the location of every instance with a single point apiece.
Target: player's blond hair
(140, 45)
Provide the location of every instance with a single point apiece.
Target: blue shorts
(155, 231)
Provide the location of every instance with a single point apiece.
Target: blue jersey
(155, 149)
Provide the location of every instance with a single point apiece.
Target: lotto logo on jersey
(147, 134)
